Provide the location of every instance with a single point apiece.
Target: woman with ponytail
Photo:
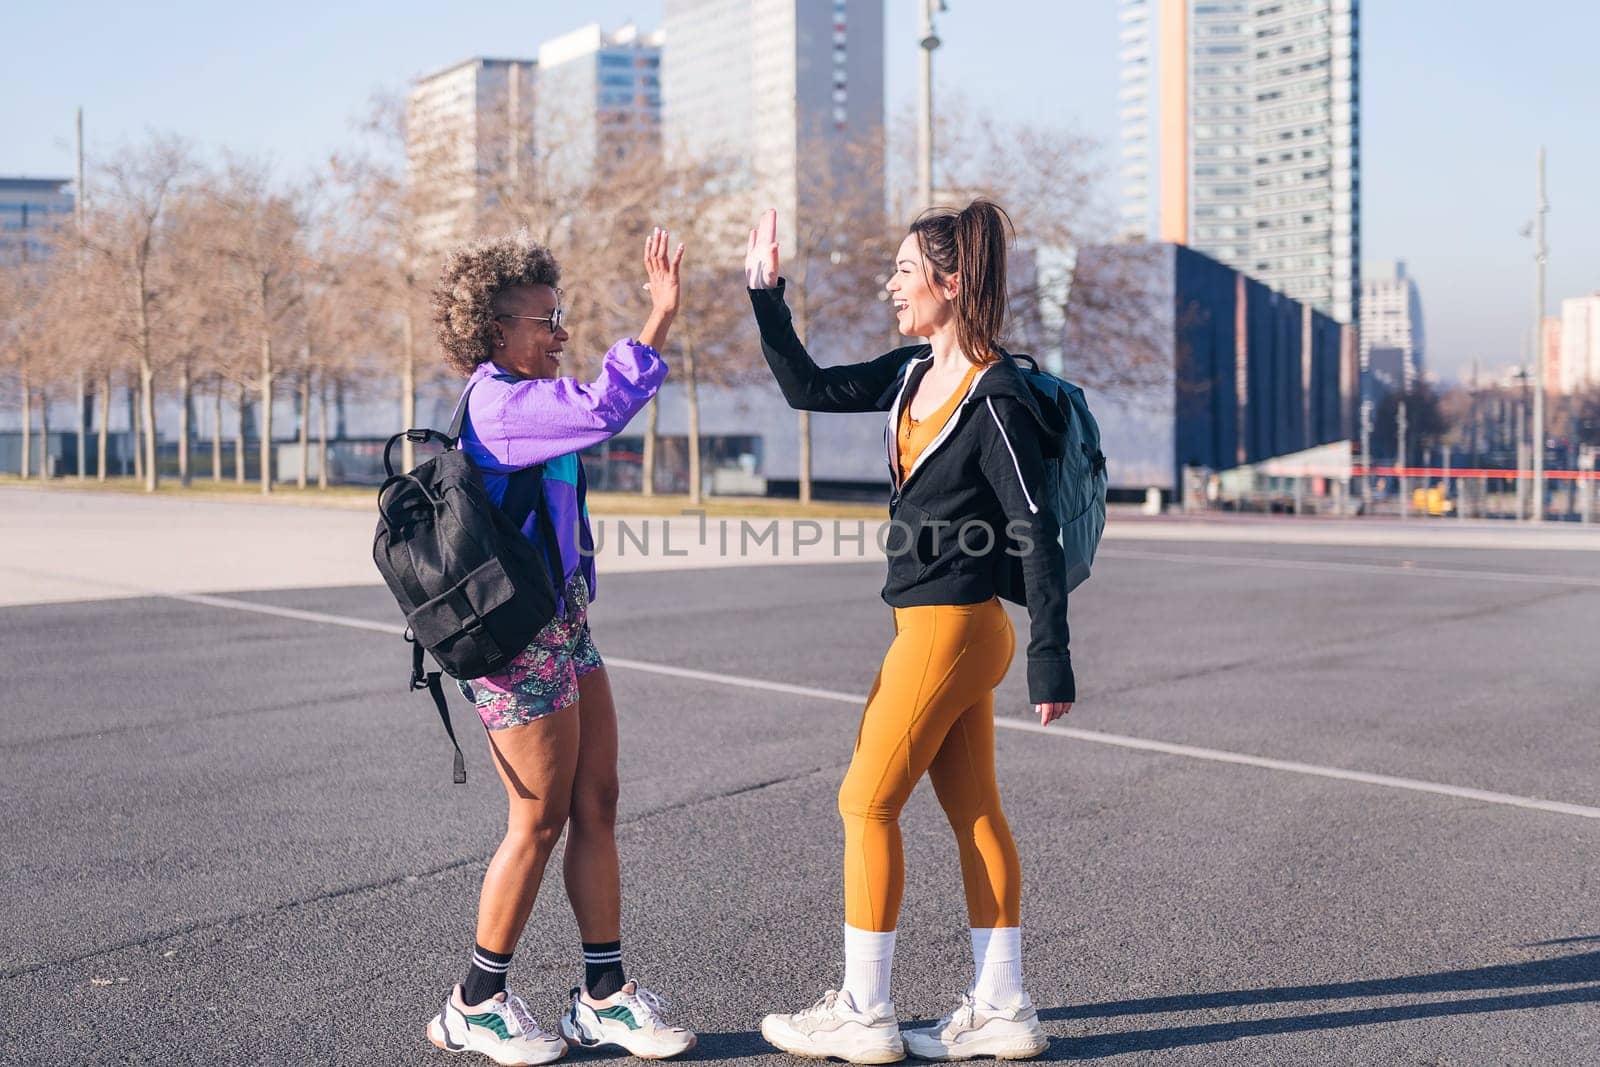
(966, 456)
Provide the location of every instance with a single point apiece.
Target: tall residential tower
(464, 125)
(788, 92)
(599, 98)
(1241, 138)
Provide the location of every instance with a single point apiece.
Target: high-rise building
(599, 98)
(29, 207)
(1220, 141)
(465, 125)
(1391, 320)
(1139, 216)
(788, 92)
(1580, 343)
(1306, 237)
(1241, 138)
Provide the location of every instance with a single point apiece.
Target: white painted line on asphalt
(738, 680)
(286, 613)
(1213, 755)
(1343, 567)
(1415, 785)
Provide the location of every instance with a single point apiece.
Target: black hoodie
(966, 520)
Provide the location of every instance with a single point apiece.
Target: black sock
(486, 975)
(602, 968)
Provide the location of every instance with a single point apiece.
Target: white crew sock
(868, 964)
(997, 965)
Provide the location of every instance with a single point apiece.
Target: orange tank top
(915, 435)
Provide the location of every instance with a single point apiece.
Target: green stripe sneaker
(629, 1019)
(501, 1028)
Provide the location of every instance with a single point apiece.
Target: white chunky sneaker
(979, 1029)
(630, 1019)
(502, 1028)
(834, 1026)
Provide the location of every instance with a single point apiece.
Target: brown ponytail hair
(970, 243)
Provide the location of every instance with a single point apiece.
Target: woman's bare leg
(590, 866)
(536, 762)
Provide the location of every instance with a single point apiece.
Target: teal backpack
(1075, 470)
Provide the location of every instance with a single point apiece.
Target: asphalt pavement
(231, 837)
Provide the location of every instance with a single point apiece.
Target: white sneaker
(979, 1029)
(502, 1028)
(834, 1026)
(630, 1019)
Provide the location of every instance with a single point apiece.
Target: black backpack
(473, 588)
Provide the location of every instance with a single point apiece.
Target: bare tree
(196, 316)
(24, 340)
(1096, 312)
(125, 237)
(833, 263)
(333, 321)
(259, 243)
(394, 255)
(710, 335)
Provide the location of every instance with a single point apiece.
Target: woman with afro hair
(550, 717)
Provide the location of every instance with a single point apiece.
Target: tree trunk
(305, 422)
(185, 420)
(44, 435)
(266, 396)
(238, 439)
(104, 428)
(652, 421)
(27, 424)
(83, 426)
(803, 428)
(135, 431)
(147, 397)
(408, 389)
(322, 432)
(691, 396)
(216, 433)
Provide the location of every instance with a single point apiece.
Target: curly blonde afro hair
(473, 275)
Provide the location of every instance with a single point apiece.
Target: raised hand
(665, 287)
(665, 284)
(761, 257)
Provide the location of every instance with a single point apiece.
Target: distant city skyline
(1457, 99)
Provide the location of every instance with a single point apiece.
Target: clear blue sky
(1457, 95)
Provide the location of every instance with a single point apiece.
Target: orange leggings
(932, 710)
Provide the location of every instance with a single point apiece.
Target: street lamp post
(1539, 252)
(927, 40)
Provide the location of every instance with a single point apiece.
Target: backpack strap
(459, 419)
(429, 680)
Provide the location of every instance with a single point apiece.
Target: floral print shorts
(543, 677)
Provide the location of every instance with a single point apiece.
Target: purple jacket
(513, 423)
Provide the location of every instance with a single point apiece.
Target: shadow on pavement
(734, 1045)
(1582, 971)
